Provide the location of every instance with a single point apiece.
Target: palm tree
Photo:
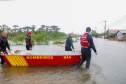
(47, 28)
(27, 28)
(4, 27)
(33, 28)
(42, 28)
(55, 28)
(8, 29)
(23, 29)
(15, 27)
(20, 30)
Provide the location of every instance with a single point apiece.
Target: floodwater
(108, 67)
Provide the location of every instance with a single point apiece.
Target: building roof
(123, 31)
(116, 30)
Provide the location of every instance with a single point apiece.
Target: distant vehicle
(119, 36)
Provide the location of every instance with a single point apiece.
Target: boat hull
(30, 60)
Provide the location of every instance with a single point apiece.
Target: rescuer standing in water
(4, 45)
(28, 41)
(87, 44)
(69, 44)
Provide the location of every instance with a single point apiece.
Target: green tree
(15, 28)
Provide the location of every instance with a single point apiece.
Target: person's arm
(66, 42)
(0, 45)
(26, 41)
(8, 46)
(72, 44)
(31, 42)
(92, 44)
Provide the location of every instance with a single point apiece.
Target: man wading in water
(28, 41)
(69, 44)
(87, 44)
(4, 45)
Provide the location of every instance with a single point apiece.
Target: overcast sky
(70, 15)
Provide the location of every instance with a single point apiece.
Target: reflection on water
(46, 75)
(50, 75)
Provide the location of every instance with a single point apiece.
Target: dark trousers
(68, 49)
(86, 56)
(28, 47)
(2, 60)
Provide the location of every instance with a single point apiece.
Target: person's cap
(29, 33)
(88, 29)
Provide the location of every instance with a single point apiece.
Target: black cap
(88, 29)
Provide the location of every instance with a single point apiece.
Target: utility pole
(47, 29)
(105, 29)
(108, 32)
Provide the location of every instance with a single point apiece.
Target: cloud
(70, 15)
(6, 0)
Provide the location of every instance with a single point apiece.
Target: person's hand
(30, 48)
(96, 53)
(1, 53)
(9, 52)
(73, 50)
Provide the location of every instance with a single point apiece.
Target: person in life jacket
(87, 44)
(28, 41)
(4, 45)
(69, 44)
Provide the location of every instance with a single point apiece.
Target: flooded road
(108, 67)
